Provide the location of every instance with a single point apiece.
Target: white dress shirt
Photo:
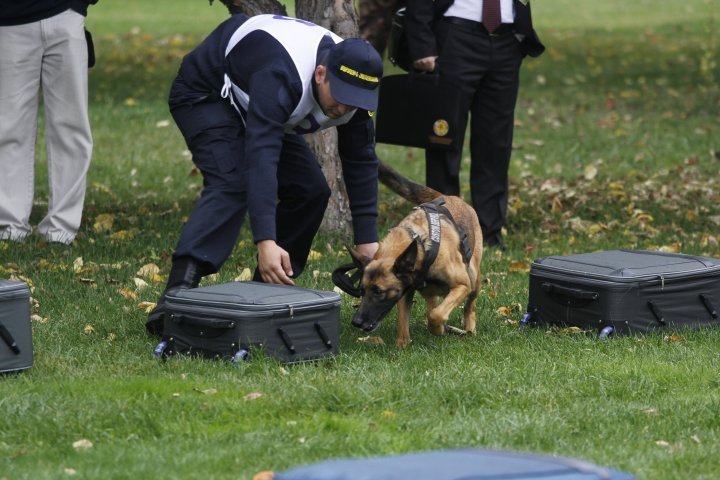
(472, 10)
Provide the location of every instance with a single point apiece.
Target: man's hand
(274, 263)
(426, 64)
(367, 249)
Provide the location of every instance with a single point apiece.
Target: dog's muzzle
(365, 324)
(370, 315)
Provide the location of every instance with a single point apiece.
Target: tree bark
(338, 16)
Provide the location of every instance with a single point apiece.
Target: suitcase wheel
(240, 356)
(159, 351)
(526, 319)
(606, 332)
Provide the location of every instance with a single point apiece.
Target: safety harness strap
(433, 210)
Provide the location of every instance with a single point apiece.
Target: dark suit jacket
(422, 14)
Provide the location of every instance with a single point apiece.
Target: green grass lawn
(617, 146)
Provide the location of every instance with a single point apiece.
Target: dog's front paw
(403, 342)
(438, 329)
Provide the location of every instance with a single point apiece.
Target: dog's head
(386, 278)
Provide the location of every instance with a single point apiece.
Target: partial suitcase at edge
(625, 291)
(289, 323)
(16, 349)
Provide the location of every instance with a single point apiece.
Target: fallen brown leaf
(127, 294)
(148, 271)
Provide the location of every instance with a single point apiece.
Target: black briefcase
(420, 110)
(229, 320)
(625, 291)
(16, 349)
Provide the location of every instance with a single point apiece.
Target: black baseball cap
(354, 69)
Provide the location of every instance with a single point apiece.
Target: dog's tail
(406, 188)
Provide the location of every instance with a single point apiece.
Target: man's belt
(474, 26)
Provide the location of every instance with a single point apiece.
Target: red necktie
(491, 14)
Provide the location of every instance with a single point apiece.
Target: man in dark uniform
(243, 99)
(478, 45)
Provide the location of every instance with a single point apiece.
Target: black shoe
(495, 242)
(186, 272)
(156, 318)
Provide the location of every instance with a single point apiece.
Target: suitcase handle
(9, 340)
(656, 312)
(286, 340)
(323, 335)
(709, 306)
(202, 322)
(570, 292)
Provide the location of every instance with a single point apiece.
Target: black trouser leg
(214, 133)
(491, 137)
(487, 69)
(303, 195)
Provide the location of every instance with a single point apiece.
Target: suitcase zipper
(638, 278)
(251, 308)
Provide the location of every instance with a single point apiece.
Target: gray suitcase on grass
(229, 320)
(16, 352)
(625, 291)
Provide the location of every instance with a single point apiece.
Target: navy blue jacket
(261, 67)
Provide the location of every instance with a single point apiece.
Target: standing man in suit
(478, 45)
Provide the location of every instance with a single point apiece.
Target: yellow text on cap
(355, 73)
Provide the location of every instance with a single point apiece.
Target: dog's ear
(359, 260)
(405, 263)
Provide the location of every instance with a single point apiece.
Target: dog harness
(433, 210)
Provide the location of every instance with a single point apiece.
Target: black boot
(186, 272)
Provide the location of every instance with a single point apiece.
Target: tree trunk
(338, 16)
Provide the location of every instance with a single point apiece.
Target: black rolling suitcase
(624, 291)
(227, 321)
(16, 350)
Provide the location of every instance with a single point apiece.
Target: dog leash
(347, 278)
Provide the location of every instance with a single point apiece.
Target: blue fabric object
(455, 465)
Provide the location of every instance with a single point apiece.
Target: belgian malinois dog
(400, 265)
